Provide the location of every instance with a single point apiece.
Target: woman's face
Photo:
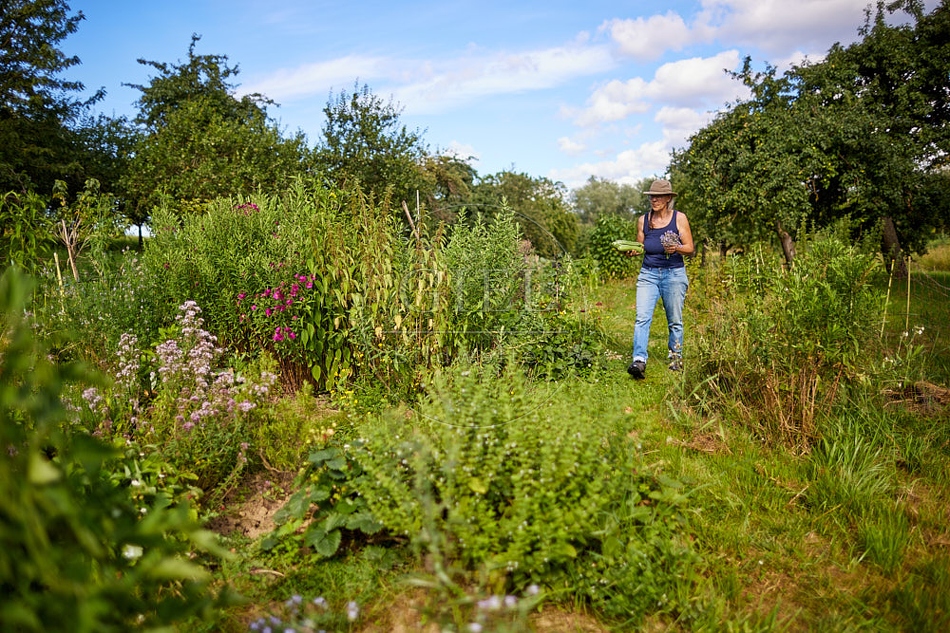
(659, 202)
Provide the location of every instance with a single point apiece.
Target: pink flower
(267, 312)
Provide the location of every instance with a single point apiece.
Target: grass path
(774, 560)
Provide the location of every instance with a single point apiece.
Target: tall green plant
(487, 280)
(784, 341)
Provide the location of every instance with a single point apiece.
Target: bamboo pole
(907, 314)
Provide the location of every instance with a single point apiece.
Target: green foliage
(25, 235)
(89, 220)
(539, 206)
(200, 142)
(114, 299)
(365, 145)
(786, 341)
(295, 417)
(37, 142)
(612, 263)
(486, 271)
(861, 133)
(326, 505)
(599, 197)
(95, 538)
(483, 479)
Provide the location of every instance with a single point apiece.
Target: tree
(364, 143)
(198, 141)
(540, 209)
(605, 197)
(449, 182)
(37, 143)
(860, 134)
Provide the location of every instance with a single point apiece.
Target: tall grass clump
(853, 474)
(783, 344)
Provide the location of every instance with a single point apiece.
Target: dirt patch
(249, 509)
(921, 397)
(404, 614)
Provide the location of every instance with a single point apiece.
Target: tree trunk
(788, 244)
(892, 248)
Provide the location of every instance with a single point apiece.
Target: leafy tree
(450, 181)
(861, 134)
(540, 209)
(37, 142)
(199, 141)
(742, 177)
(599, 196)
(364, 143)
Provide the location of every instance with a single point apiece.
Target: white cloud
(424, 87)
(613, 102)
(462, 151)
(779, 26)
(317, 78)
(458, 81)
(680, 123)
(627, 167)
(697, 81)
(570, 146)
(648, 39)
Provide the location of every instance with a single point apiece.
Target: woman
(666, 238)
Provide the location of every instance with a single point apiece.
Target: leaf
(41, 471)
(325, 543)
(177, 569)
(477, 485)
(364, 522)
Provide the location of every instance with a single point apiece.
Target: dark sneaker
(637, 369)
(676, 364)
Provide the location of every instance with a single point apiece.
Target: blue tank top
(655, 256)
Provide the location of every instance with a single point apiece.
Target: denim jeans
(669, 284)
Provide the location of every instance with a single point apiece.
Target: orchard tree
(198, 141)
(860, 134)
(540, 207)
(449, 183)
(364, 144)
(599, 196)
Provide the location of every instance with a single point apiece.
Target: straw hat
(661, 188)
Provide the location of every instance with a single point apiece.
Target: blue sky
(565, 90)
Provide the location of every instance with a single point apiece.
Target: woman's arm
(686, 236)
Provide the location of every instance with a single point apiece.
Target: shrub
(782, 343)
(196, 414)
(486, 483)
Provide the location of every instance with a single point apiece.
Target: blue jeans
(670, 284)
